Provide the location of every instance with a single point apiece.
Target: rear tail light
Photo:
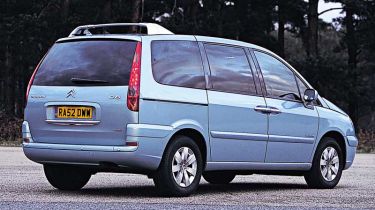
(32, 78)
(31, 82)
(135, 80)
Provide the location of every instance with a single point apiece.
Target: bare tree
(65, 4)
(9, 82)
(352, 46)
(107, 10)
(281, 29)
(136, 11)
(312, 31)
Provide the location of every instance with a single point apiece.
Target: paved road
(23, 186)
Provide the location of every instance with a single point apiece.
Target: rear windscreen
(87, 63)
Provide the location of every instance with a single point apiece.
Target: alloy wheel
(184, 166)
(329, 163)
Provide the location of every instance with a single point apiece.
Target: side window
(177, 63)
(279, 79)
(302, 87)
(230, 70)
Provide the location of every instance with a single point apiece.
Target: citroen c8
(175, 108)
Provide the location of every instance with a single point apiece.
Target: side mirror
(310, 95)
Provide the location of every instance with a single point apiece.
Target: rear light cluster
(135, 80)
(32, 78)
(31, 81)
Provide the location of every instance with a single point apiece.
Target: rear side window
(89, 62)
(177, 63)
(230, 70)
(279, 79)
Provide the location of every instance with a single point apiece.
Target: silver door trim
(291, 139)
(240, 136)
(215, 166)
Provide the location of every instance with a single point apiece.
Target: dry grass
(366, 141)
(10, 130)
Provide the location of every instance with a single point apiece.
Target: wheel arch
(340, 139)
(197, 137)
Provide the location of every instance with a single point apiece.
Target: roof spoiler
(152, 28)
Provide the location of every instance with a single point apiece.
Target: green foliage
(329, 75)
(29, 28)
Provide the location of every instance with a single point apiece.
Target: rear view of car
(71, 88)
(78, 100)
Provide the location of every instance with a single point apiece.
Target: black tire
(164, 179)
(314, 178)
(65, 177)
(219, 177)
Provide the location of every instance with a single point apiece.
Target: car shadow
(250, 187)
(150, 190)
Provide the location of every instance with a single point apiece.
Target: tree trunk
(281, 29)
(2, 93)
(312, 43)
(2, 87)
(107, 11)
(135, 15)
(192, 10)
(9, 83)
(65, 10)
(219, 20)
(350, 37)
(51, 8)
(352, 47)
(136, 10)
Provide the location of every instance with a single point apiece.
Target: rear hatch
(78, 95)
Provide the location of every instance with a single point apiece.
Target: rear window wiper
(87, 81)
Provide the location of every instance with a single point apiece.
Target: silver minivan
(175, 108)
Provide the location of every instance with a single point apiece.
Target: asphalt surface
(23, 186)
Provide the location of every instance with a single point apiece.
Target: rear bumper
(146, 156)
(89, 155)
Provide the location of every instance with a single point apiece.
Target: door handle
(262, 109)
(267, 110)
(274, 110)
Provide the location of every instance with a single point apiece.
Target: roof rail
(152, 28)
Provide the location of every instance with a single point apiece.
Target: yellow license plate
(77, 112)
